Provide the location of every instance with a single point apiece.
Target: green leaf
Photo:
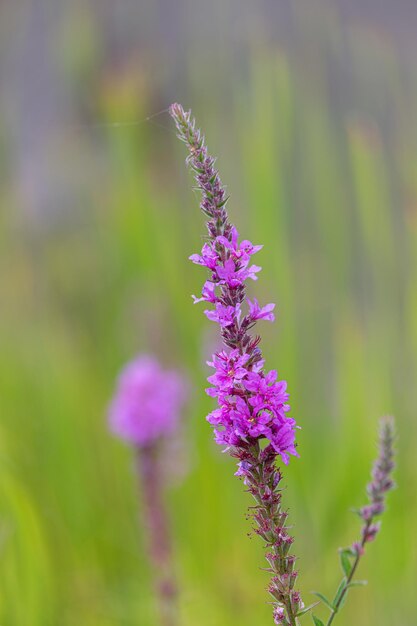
(308, 608)
(339, 593)
(317, 621)
(324, 599)
(345, 562)
(220, 204)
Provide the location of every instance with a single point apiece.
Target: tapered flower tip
(176, 110)
(147, 402)
(387, 427)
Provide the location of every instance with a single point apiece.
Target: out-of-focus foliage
(314, 121)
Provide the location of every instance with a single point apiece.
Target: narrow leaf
(323, 599)
(308, 608)
(317, 621)
(339, 592)
(345, 563)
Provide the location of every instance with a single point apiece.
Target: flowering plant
(145, 410)
(381, 483)
(251, 419)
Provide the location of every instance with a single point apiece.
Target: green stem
(279, 568)
(291, 616)
(159, 540)
(351, 575)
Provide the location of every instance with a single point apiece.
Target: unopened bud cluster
(379, 486)
(262, 478)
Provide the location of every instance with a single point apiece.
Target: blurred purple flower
(146, 408)
(381, 481)
(147, 402)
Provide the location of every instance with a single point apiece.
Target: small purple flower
(241, 252)
(268, 393)
(224, 315)
(232, 276)
(358, 549)
(251, 272)
(209, 257)
(243, 468)
(147, 402)
(230, 371)
(279, 616)
(251, 423)
(236, 423)
(370, 532)
(258, 313)
(208, 293)
(369, 511)
(283, 439)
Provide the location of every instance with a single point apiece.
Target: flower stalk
(377, 489)
(251, 419)
(156, 522)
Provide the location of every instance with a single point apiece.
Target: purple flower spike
(251, 419)
(377, 490)
(381, 481)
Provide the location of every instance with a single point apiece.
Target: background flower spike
(377, 489)
(145, 411)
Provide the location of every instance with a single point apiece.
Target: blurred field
(316, 137)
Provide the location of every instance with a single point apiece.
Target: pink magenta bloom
(240, 252)
(224, 315)
(266, 393)
(252, 404)
(234, 276)
(147, 403)
(230, 370)
(209, 257)
(208, 293)
(258, 313)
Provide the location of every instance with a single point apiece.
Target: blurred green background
(311, 108)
